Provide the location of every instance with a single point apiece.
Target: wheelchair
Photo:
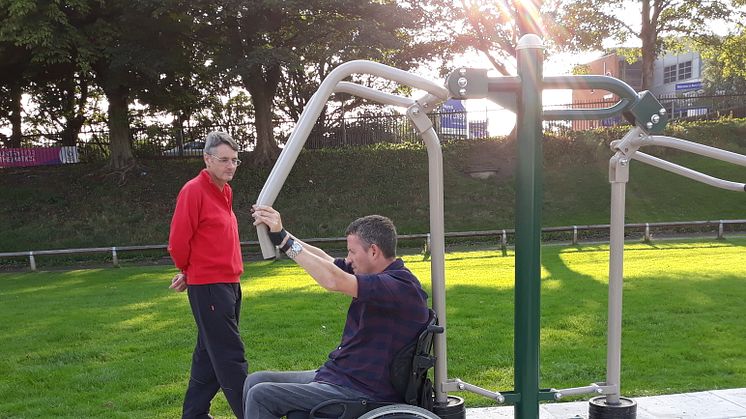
(409, 371)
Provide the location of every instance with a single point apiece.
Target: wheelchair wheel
(400, 411)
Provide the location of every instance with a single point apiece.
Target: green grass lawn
(116, 343)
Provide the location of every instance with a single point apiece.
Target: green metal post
(530, 58)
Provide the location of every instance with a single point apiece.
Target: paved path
(716, 404)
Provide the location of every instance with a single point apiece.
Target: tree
(725, 69)
(590, 22)
(61, 94)
(491, 28)
(230, 112)
(36, 46)
(727, 55)
(132, 47)
(262, 42)
(127, 47)
(15, 65)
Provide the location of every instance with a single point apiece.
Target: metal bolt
(600, 391)
(655, 119)
(463, 81)
(462, 71)
(416, 111)
(662, 111)
(623, 162)
(462, 92)
(557, 396)
(461, 386)
(500, 399)
(649, 125)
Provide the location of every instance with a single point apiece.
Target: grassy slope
(116, 343)
(67, 206)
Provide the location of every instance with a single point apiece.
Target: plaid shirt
(389, 311)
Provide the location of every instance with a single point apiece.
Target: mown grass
(115, 343)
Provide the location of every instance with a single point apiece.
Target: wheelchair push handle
(434, 328)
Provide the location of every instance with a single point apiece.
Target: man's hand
(178, 283)
(264, 214)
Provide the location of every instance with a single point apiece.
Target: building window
(669, 74)
(685, 70)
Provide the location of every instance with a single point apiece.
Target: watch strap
(287, 245)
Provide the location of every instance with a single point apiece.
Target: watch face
(294, 250)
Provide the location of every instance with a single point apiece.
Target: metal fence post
(504, 243)
(32, 261)
(114, 258)
(574, 235)
(646, 238)
(721, 232)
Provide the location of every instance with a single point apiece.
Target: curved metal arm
(689, 173)
(610, 84)
(587, 113)
(696, 148)
(641, 140)
(373, 94)
(623, 90)
(308, 118)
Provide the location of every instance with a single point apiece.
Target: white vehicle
(191, 148)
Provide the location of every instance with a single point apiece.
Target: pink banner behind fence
(19, 157)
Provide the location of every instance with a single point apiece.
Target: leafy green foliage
(726, 69)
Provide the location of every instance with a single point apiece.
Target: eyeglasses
(225, 160)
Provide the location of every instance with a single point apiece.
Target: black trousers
(218, 361)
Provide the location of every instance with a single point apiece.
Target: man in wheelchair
(388, 312)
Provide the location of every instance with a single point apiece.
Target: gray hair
(375, 229)
(216, 138)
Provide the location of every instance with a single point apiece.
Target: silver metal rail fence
(646, 229)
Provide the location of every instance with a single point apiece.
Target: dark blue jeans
(218, 361)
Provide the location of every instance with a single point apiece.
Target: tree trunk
(16, 95)
(649, 47)
(71, 130)
(266, 150)
(178, 126)
(262, 88)
(119, 141)
(74, 112)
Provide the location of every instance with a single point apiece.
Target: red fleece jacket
(203, 242)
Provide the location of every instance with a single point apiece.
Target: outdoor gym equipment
(521, 94)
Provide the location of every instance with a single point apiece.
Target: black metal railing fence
(164, 140)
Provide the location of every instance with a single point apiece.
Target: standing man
(388, 310)
(204, 246)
